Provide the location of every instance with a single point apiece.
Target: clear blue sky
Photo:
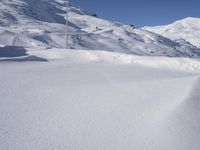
(142, 12)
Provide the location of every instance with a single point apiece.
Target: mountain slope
(186, 30)
(31, 23)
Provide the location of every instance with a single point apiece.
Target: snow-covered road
(97, 105)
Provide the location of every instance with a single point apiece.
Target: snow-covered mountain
(186, 30)
(93, 100)
(41, 23)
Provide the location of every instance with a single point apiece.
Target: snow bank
(187, 64)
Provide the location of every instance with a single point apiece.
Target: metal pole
(67, 24)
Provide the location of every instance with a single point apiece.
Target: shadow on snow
(16, 53)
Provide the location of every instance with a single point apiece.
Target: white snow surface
(185, 30)
(119, 91)
(86, 100)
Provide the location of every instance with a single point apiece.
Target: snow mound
(12, 53)
(187, 64)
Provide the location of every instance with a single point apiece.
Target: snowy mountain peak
(189, 20)
(187, 29)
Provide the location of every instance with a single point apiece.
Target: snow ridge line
(194, 95)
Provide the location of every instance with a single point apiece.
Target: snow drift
(99, 100)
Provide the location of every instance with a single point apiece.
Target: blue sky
(142, 12)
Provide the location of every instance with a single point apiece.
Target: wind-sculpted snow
(96, 100)
(13, 53)
(183, 121)
(40, 23)
(186, 64)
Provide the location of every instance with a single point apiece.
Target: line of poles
(67, 25)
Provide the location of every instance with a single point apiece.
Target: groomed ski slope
(92, 100)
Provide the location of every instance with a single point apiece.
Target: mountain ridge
(41, 23)
(187, 29)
